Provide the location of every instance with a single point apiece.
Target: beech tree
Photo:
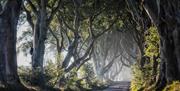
(82, 28)
(39, 16)
(165, 15)
(81, 23)
(9, 16)
(113, 51)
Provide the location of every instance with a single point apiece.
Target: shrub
(142, 78)
(52, 75)
(25, 74)
(175, 86)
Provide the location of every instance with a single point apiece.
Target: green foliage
(25, 74)
(52, 73)
(91, 80)
(137, 81)
(175, 86)
(84, 79)
(72, 81)
(152, 42)
(87, 71)
(144, 78)
(141, 77)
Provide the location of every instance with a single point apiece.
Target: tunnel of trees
(80, 45)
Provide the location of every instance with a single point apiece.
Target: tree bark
(40, 34)
(166, 15)
(9, 16)
(40, 28)
(8, 26)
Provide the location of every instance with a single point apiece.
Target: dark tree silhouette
(165, 15)
(9, 16)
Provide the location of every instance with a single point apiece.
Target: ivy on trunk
(166, 15)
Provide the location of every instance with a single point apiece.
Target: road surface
(119, 86)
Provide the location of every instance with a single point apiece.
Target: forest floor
(115, 86)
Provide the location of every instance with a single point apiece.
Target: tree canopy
(68, 40)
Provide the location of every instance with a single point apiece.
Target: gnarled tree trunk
(166, 15)
(43, 16)
(40, 34)
(9, 16)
